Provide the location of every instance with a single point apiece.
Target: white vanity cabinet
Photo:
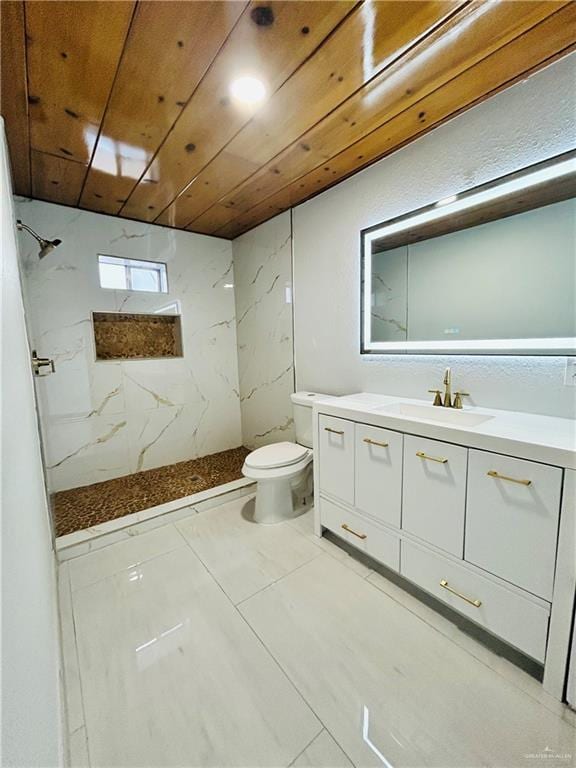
(475, 528)
(513, 509)
(434, 494)
(336, 441)
(378, 481)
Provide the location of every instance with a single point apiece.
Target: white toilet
(283, 471)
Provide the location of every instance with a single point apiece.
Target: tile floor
(218, 642)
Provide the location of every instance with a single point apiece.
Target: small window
(132, 274)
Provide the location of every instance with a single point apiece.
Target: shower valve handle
(40, 362)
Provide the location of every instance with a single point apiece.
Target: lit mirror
(490, 271)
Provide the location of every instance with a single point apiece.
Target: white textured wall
(527, 123)
(263, 288)
(105, 419)
(31, 707)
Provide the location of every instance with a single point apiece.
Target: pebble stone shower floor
(79, 508)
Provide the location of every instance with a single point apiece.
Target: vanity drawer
(435, 492)
(364, 535)
(336, 441)
(512, 517)
(506, 614)
(379, 473)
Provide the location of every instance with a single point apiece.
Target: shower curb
(91, 539)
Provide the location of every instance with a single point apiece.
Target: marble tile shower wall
(263, 289)
(106, 419)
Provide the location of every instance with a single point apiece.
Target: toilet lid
(276, 455)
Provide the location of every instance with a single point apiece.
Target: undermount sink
(437, 413)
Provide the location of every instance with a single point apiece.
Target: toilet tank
(302, 412)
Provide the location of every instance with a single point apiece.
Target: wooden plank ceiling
(124, 107)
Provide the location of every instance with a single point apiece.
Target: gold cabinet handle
(498, 476)
(475, 603)
(334, 431)
(360, 535)
(375, 442)
(423, 455)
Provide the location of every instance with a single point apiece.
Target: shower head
(46, 246)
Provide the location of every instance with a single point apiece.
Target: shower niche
(136, 336)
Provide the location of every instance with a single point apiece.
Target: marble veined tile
(323, 752)
(390, 689)
(128, 554)
(72, 687)
(78, 750)
(263, 289)
(173, 676)
(242, 556)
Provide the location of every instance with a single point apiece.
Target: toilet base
(285, 498)
(273, 501)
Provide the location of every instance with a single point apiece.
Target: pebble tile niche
(129, 336)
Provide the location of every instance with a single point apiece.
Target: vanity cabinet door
(435, 492)
(336, 441)
(379, 473)
(512, 517)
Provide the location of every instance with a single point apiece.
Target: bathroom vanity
(474, 506)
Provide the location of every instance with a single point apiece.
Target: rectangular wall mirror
(489, 271)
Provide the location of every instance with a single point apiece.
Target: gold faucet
(447, 393)
(448, 402)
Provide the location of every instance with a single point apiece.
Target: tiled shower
(178, 397)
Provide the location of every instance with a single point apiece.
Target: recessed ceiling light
(249, 90)
(447, 200)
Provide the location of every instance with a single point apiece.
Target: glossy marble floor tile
(242, 556)
(78, 750)
(391, 689)
(323, 752)
(173, 676)
(70, 667)
(125, 554)
(217, 642)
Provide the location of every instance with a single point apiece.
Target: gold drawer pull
(475, 603)
(334, 431)
(360, 535)
(375, 442)
(498, 476)
(423, 455)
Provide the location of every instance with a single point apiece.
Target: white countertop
(547, 439)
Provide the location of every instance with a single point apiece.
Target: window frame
(129, 264)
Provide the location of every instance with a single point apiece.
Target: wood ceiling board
(479, 29)
(538, 47)
(358, 50)
(211, 118)
(213, 219)
(168, 50)
(73, 50)
(211, 184)
(56, 179)
(14, 99)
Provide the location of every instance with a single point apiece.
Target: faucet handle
(458, 399)
(437, 396)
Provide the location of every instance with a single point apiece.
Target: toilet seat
(276, 456)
